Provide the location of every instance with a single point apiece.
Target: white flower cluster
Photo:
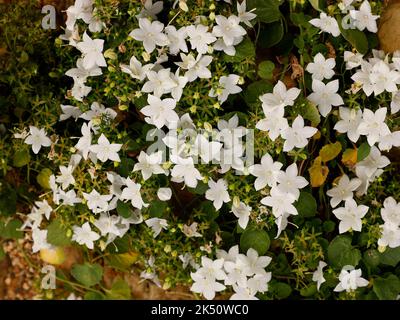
(245, 273)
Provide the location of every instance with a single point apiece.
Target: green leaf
(355, 37)
(21, 158)
(363, 151)
(2, 253)
(91, 295)
(57, 234)
(8, 201)
(157, 209)
(387, 288)
(316, 4)
(244, 50)
(265, 70)
(306, 205)
(280, 289)
(87, 274)
(341, 253)
(267, 10)
(309, 291)
(11, 230)
(330, 151)
(120, 290)
(124, 209)
(391, 257)
(371, 258)
(271, 34)
(256, 239)
(253, 92)
(125, 167)
(43, 178)
(308, 110)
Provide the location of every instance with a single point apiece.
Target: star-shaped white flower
(266, 172)
(297, 135)
(200, 38)
(159, 83)
(227, 85)
(157, 224)
(326, 24)
(218, 193)
(105, 150)
(228, 29)
(321, 68)
(65, 178)
(39, 238)
(350, 120)
(37, 138)
(185, 171)
(373, 125)
(242, 212)
(325, 96)
(318, 275)
(84, 235)
(350, 279)
(160, 112)
(344, 190)
(92, 51)
(364, 19)
(350, 216)
(289, 182)
(280, 97)
(205, 286)
(135, 69)
(132, 193)
(151, 34)
(149, 164)
(176, 39)
(245, 16)
(97, 202)
(280, 203)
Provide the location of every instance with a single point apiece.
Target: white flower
(105, 150)
(343, 191)
(242, 211)
(230, 132)
(66, 178)
(205, 286)
(207, 150)
(69, 111)
(199, 37)
(92, 51)
(191, 231)
(259, 282)
(43, 208)
(373, 125)
(391, 211)
(297, 135)
(149, 164)
(318, 275)
(280, 202)
(253, 263)
(389, 141)
(390, 236)
(157, 225)
(382, 78)
(160, 112)
(37, 138)
(132, 193)
(96, 202)
(84, 235)
(151, 34)
(180, 83)
(80, 73)
(212, 269)
(69, 198)
(395, 104)
(266, 172)
(364, 18)
(85, 142)
(150, 9)
(289, 182)
(244, 16)
(98, 111)
(135, 69)
(159, 82)
(185, 171)
(353, 60)
(280, 97)
(107, 224)
(39, 238)
(164, 194)
(275, 123)
(218, 193)
(350, 216)
(374, 161)
(321, 68)
(227, 85)
(228, 29)
(325, 96)
(196, 68)
(176, 39)
(350, 120)
(350, 280)
(326, 24)
(243, 293)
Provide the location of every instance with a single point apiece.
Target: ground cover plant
(239, 149)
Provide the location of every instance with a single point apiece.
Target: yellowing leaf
(330, 151)
(349, 157)
(318, 173)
